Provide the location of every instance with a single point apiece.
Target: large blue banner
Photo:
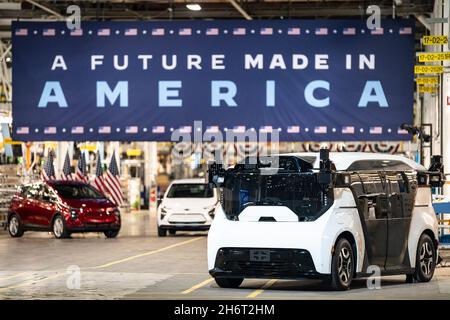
(311, 80)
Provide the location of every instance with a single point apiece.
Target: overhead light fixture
(194, 6)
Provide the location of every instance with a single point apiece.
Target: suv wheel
(15, 226)
(342, 265)
(425, 259)
(161, 232)
(229, 282)
(111, 233)
(59, 228)
(172, 232)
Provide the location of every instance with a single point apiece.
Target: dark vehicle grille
(265, 262)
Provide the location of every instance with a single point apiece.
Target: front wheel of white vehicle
(425, 259)
(342, 265)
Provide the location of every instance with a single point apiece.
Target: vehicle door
(29, 211)
(402, 191)
(45, 207)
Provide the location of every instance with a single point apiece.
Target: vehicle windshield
(190, 190)
(78, 192)
(300, 192)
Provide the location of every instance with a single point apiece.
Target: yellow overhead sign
(427, 89)
(134, 152)
(10, 141)
(434, 40)
(89, 147)
(427, 80)
(436, 56)
(428, 69)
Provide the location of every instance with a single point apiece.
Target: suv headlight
(114, 211)
(211, 212)
(73, 213)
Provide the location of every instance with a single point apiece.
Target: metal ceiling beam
(47, 9)
(240, 9)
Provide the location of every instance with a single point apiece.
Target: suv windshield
(78, 192)
(300, 192)
(190, 190)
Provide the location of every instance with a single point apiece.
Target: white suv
(187, 205)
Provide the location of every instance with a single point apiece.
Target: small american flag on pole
(131, 129)
(320, 129)
(321, 31)
(67, 170)
(377, 31)
(131, 32)
(402, 131)
(158, 129)
(104, 32)
(376, 130)
(405, 30)
(99, 182)
(48, 32)
(158, 32)
(293, 129)
(293, 31)
(348, 130)
(349, 31)
(239, 31)
(48, 170)
(23, 130)
(112, 181)
(76, 32)
(50, 130)
(185, 32)
(212, 32)
(266, 31)
(80, 170)
(21, 32)
(104, 129)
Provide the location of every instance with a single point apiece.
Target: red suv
(63, 207)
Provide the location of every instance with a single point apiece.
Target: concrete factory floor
(139, 265)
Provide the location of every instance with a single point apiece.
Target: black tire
(425, 259)
(229, 282)
(342, 265)
(162, 232)
(172, 232)
(59, 228)
(15, 227)
(111, 233)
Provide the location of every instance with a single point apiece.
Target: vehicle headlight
(211, 212)
(73, 213)
(113, 211)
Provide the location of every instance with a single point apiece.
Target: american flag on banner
(48, 170)
(99, 182)
(266, 31)
(405, 30)
(377, 31)
(158, 32)
(239, 31)
(131, 32)
(212, 129)
(402, 131)
(320, 129)
(131, 129)
(21, 32)
(104, 130)
(158, 129)
(80, 170)
(376, 130)
(77, 130)
(103, 32)
(293, 31)
(112, 182)
(76, 32)
(348, 130)
(48, 32)
(185, 129)
(239, 129)
(293, 129)
(185, 32)
(23, 130)
(67, 170)
(50, 130)
(212, 32)
(321, 31)
(349, 31)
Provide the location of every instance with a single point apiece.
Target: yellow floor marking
(31, 282)
(257, 292)
(197, 286)
(106, 265)
(13, 276)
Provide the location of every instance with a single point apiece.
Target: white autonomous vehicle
(187, 205)
(329, 216)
